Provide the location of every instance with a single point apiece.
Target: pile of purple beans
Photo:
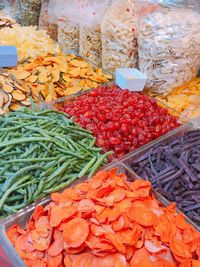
(173, 167)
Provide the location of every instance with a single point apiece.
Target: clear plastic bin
(22, 216)
(129, 158)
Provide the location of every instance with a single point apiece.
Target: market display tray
(22, 216)
(129, 158)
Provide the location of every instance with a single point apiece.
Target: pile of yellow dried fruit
(29, 41)
(50, 77)
(185, 99)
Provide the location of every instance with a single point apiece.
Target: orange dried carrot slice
(116, 241)
(180, 249)
(141, 259)
(118, 224)
(86, 205)
(12, 233)
(76, 232)
(118, 194)
(56, 248)
(195, 263)
(67, 261)
(142, 215)
(181, 222)
(60, 214)
(54, 261)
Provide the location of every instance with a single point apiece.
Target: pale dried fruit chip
(185, 99)
(29, 41)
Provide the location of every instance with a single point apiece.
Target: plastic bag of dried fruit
(30, 12)
(68, 29)
(90, 15)
(12, 9)
(169, 43)
(119, 38)
(46, 21)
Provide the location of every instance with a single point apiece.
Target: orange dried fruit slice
(76, 232)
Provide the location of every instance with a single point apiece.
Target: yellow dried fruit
(29, 41)
(185, 99)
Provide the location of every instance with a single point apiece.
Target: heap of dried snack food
(6, 21)
(173, 167)
(185, 99)
(52, 77)
(120, 120)
(29, 41)
(41, 152)
(107, 222)
(13, 94)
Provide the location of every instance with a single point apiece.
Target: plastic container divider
(23, 216)
(128, 159)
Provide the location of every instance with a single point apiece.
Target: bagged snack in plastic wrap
(68, 29)
(169, 43)
(68, 35)
(91, 13)
(45, 21)
(12, 9)
(30, 12)
(119, 38)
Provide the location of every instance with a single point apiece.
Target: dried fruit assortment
(13, 94)
(107, 221)
(29, 41)
(185, 99)
(52, 77)
(173, 167)
(120, 120)
(42, 152)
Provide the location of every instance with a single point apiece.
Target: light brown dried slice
(7, 88)
(45, 90)
(32, 78)
(42, 77)
(55, 76)
(14, 107)
(79, 63)
(75, 72)
(21, 74)
(23, 88)
(18, 95)
(25, 102)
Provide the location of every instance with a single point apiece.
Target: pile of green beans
(42, 152)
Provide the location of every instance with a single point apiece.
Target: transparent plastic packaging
(68, 35)
(90, 43)
(30, 12)
(90, 17)
(44, 20)
(119, 38)
(23, 216)
(169, 44)
(12, 8)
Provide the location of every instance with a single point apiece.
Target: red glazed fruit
(120, 120)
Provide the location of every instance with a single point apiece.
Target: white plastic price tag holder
(8, 56)
(131, 79)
